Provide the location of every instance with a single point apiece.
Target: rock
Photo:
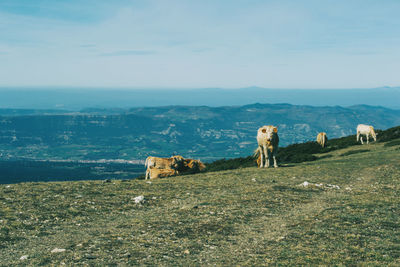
(24, 257)
(305, 184)
(333, 186)
(186, 251)
(139, 199)
(57, 250)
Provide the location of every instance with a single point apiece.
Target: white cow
(268, 141)
(366, 130)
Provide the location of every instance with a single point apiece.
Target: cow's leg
(361, 140)
(266, 156)
(262, 157)
(275, 164)
(147, 174)
(358, 136)
(367, 139)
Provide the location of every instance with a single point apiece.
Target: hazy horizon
(79, 98)
(200, 44)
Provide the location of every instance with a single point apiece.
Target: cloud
(128, 53)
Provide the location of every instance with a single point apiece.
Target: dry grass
(246, 216)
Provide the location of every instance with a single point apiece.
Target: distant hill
(203, 132)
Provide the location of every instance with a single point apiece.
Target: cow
(268, 141)
(174, 163)
(322, 139)
(366, 130)
(193, 166)
(155, 173)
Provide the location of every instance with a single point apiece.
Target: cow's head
(373, 134)
(194, 165)
(202, 166)
(177, 162)
(269, 132)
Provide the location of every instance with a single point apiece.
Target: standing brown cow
(322, 139)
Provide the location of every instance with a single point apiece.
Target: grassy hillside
(347, 215)
(308, 151)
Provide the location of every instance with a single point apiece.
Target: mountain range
(78, 98)
(203, 132)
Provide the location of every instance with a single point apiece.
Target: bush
(389, 134)
(229, 164)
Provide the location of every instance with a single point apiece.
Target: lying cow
(172, 163)
(322, 139)
(366, 130)
(268, 141)
(154, 173)
(193, 166)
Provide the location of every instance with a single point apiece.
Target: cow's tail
(257, 152)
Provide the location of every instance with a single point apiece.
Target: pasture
(348, 214)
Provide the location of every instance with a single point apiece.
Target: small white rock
(25, 257)
(333, 186)
(57, 250)
(305, 184)
(139, 199)
(254, 179)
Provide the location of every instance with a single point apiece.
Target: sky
(200, 43)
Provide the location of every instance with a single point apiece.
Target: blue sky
(196, 44)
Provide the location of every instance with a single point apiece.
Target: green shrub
(389, 134)
(229, 164)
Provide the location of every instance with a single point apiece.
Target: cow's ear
(275, 129)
